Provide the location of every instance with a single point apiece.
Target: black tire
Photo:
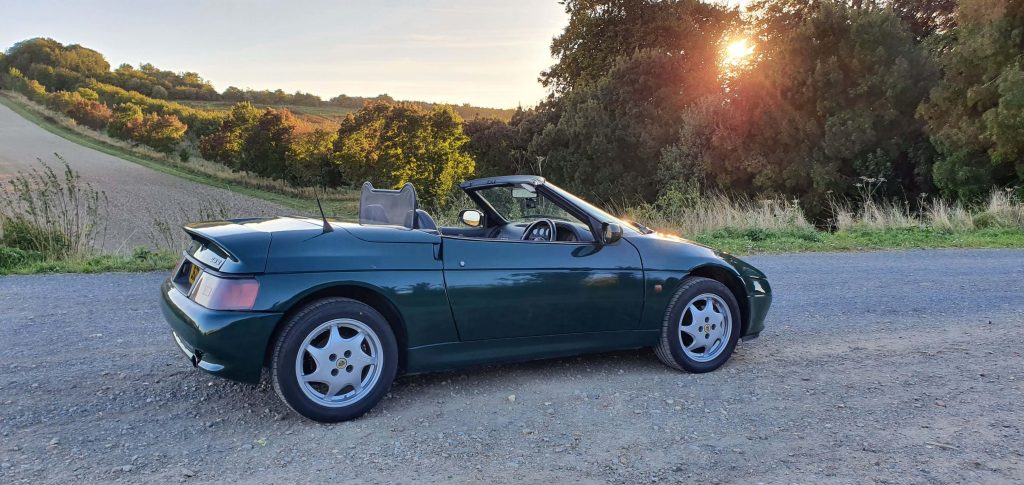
(294, 333)
(670, 349)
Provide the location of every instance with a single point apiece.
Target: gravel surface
(901, 367)
(137, 195)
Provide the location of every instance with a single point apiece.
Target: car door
(506, 289)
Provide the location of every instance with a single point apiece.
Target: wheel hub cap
(339, 362)
(705, 327)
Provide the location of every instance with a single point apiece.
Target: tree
(158, 92)
(125, 121)
(391, 144)
(831, 99)
(162, 132)
(225, 144)
(266, 146)
(311, 159)
(89, 113)
(48, 52)
(601, 31)
(975, 116)
(627, 70)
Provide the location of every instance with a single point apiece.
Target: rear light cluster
(217, 293)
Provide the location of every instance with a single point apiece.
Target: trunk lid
(240, 245)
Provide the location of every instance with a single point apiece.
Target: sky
(482, 52)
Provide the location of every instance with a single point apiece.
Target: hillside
(63, 67)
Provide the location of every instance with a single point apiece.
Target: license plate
(193, 272)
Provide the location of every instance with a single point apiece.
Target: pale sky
(487, 53)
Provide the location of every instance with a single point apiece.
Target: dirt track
(888, 367)
(137, 195)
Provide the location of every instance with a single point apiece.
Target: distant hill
(64, 67)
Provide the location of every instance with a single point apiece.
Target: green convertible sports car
(336, 310)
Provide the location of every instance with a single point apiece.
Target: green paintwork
(453, 301)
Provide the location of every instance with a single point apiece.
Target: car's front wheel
(334, 360)
(701, 326)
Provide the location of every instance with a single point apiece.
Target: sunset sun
(738, 52)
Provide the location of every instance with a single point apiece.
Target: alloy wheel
(339, 362)
(705, 327)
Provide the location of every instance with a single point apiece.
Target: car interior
(512, 212)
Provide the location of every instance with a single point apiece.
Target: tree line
(920, 97)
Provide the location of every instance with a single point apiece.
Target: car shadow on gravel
(415, 395)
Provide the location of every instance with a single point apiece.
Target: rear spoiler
(228, 247)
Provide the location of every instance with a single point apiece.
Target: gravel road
(137, 195)
(899, 367)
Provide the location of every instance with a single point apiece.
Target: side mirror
(471, 217)
(610, 233)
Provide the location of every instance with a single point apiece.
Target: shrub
(57, 215)
(26, 235)
(125, 120)
(160, 132)
(93, 114)
(12, 257)
(89, 94)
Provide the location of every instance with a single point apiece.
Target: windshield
(522, 203)
(600, 215)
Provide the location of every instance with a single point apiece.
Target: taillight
(224, 293)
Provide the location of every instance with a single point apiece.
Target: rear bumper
(227, 344)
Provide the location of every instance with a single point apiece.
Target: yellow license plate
(193, 272)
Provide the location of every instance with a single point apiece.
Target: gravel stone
(882, 337)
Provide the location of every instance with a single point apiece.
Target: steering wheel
(540, 230)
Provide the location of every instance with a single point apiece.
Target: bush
(160, 132)
(93, 114)
(27, 236)
(57, 215)
(13, 257)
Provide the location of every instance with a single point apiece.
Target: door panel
(504, 289)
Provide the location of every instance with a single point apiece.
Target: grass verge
(153, 261)
(810, 240)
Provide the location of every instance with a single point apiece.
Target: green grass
(346, 208)
(138, 262)
(806, 240)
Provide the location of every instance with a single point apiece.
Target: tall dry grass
(716, 212)
(1004, 209)
(51, 212)
(702, 215)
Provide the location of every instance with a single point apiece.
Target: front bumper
(228, 344)
(759, 300)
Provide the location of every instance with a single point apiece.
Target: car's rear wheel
(334, 360)
(701, 326)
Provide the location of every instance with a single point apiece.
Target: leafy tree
(491, 144)
(975, 114)
(601, 31)
(310, 159)
(158, 92)
(627, 71)
(162, 132)
(391, 144)
(90, 113)
(831, 99)
(225, 145)
(266, 146)
(125, 121)
(48, 52)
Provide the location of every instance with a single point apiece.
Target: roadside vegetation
(52, 221)
(832, 125)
